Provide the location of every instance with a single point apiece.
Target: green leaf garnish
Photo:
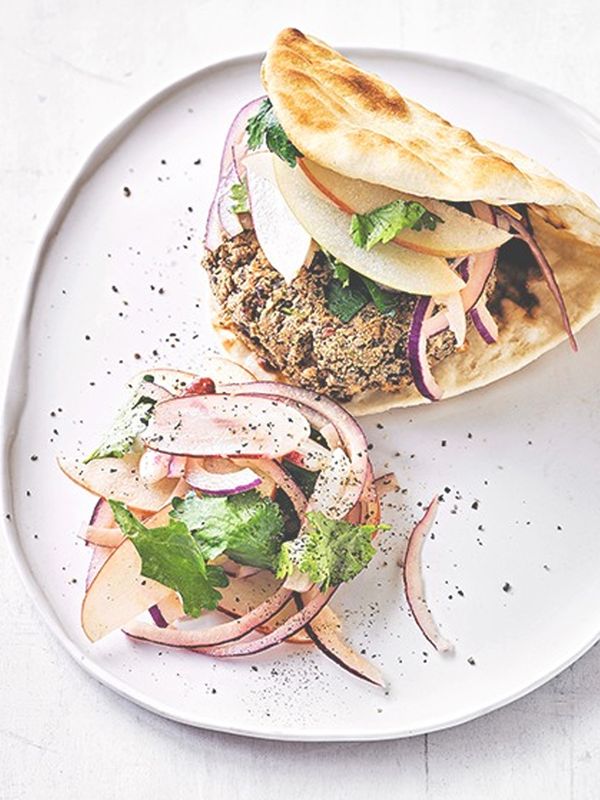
(264, 127)
(385, 223)
(131, 420)
(239, 197)
(171, 556)
(345, 302)
(328, 551)
(247, 526)
(386, 302)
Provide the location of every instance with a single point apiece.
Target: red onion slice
(213, 232)
(327, 639)
(216, 635)
(290, 627)
(414, 584)
(230, 221)
(485, 325)
(220, 484)
(525, 234)
(417, 351)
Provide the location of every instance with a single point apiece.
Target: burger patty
(291, 328)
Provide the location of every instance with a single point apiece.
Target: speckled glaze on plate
(512, 570)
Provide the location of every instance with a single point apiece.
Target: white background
(69, 72)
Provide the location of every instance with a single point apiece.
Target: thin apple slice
(398, 268)
(221, 370)
(118, 593)
(118, 478)
(459, 235)
(283, 240)
(222, 425)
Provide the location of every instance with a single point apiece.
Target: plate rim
(16, 376)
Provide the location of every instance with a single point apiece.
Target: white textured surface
(70, 72)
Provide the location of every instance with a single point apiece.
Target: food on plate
(361, 246)
(220, 492)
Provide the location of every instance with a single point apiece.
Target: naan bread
(356, 124)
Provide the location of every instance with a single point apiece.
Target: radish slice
(213, 233)
(417, 351)
(220, 484)
(282, 239)
(386, 484)
(221, 425)
(279, 635)
(351, 434)
(523, 233)
(153, 466)
(216, 635)
(327, 638)
(414, 584)
(118, 478)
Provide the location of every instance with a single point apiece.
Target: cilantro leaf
(239, 196)
(383, 224)
(264, 127)
(345, 302)
(130, 421)
(171, 556)
(328, 551)
(385, 301)
(247, 527)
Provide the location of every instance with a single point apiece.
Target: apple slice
(221, 370)
(224, 425)
(283, 240)
(398, 268)
(460, 234)
(118, 593)
(118, 478)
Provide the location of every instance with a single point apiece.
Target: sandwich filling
(346, 287)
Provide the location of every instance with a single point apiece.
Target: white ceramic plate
(521, 459)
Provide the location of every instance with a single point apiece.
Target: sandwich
(361, 246)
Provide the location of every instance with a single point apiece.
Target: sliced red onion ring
(279, 635)
(157, 617)
(483, 321)
(327, 639)
(414, 584)
(523, 232)
(485, 325)
(218, 634)
(212, 236)
(417, 351)
(220, 483)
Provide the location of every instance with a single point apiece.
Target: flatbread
(356, 124)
